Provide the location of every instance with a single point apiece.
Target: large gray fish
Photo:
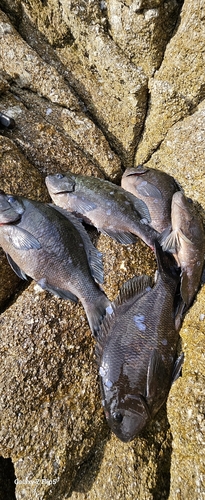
(136, 350)
(187, 242)
(54, 250)
(108, 207)
(156, 189)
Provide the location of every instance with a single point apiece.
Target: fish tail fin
(96, 311)
(167, 264)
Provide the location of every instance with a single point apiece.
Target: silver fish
(187, 242)
(108, 207)
(156, 189)
(53, 248)
(136, 350)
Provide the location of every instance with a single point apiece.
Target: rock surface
(95, 87)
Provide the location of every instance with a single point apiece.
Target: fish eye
(117, 417)
(59, 176)
(11, 199)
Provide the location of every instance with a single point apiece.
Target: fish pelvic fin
(177, 367)
(58, 292)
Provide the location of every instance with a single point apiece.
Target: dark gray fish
(136, 349)
(6, 121)
(54, 250)
(187, 242)
(156, 189)
(108, 207)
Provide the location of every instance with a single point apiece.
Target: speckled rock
(178, 86)
(80, 102)
(186, 410)
(142, 29)
(113, 89)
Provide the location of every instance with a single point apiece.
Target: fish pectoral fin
(62, 294)
(167, 240)
(120, 236)
(171, 242)
(134, 287)
(16, 268)
(82, 203)
(22, 239)
(156, 372)
(142, 208)
(148, 189)
(177, 367)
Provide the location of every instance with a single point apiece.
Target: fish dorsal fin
(21, 239)
(93, 255)
(134, 287)
(148, 189)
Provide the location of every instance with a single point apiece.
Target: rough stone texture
(178, 86)
(72, 78)
(186, 409)
(113, 89)
(142, 28)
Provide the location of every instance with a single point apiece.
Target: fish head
(186, 219)
(126, 412)
(11, 208)
(60, 183)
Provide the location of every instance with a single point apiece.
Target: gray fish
(108, 207)
(187, 242)
(54, 250)
(136, 350)
(156, 189)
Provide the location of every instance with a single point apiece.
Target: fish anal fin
(120, 236)
(16, 268)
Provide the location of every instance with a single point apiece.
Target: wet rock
(178, 86)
